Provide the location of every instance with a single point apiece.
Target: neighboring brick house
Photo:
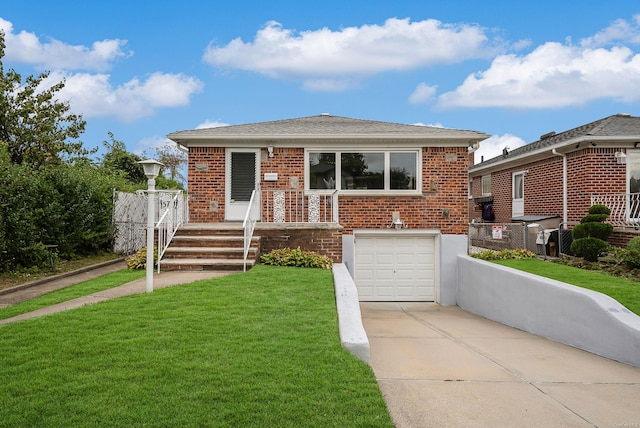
(396, 191)
(563, 174)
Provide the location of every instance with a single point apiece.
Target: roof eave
(564, 147)
(297, 140)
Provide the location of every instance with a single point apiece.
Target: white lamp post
(151, 170)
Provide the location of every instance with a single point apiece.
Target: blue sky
(514, 70)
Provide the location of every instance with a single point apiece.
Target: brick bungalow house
(388, 200)
(562, 174)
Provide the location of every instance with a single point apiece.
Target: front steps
(209, 246)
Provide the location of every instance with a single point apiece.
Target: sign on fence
(496, 232)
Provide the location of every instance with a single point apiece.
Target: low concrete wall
(565, 313)
(352, 334)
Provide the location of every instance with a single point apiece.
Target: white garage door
(392, 267)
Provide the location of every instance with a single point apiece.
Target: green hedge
(59, 210)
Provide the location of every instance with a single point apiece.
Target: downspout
(564, 185)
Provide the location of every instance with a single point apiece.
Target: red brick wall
(289, 164)
(620, 238)
(443, 204)
(326, 241)
(590, 170)
(206, 171)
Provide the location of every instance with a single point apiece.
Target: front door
(517, 202)
(242, 178)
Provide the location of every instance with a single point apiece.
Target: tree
(117, 158)
(173, 159)
(36, 127)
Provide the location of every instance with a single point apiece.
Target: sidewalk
(161, 280)
(441, 366)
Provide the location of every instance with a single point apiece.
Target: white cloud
(211, 124)
(93, 95)
(422, 94)
(148, 145)
(557, 75)
(619, 30)
(25, 47)
(435, 125)
(493, 146)
(324, 55)
(329, 85)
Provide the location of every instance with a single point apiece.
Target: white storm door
(242, 178)
(517, 203)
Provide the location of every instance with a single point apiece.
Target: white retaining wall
(565, 313)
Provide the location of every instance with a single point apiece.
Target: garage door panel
(395, 268)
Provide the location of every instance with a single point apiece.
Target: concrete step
(211, 241)
(208, 252)
(204, 264)
(211, 229)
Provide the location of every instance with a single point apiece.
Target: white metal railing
(625, 208)
(299, 206)
(249, 224)
(172, 212)
(288, 206)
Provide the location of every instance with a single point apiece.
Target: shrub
(138, 260)
(517, 254)
(62, 205)
(589, 248)
(594, 218)
(599, 209)
(592, 230)
(296, 257)
(632, 254)
(590, 235)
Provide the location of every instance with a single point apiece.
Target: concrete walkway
(161, 280)
(444, 367)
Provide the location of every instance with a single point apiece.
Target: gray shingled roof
(618, 125)
(324, 125)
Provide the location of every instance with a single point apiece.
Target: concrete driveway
(444, 367)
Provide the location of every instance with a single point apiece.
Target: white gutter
(564, 185)
(182, 148)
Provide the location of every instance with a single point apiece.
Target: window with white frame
(395, 171)
(486, 184)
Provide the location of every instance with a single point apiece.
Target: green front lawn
(624, 291)
(85, 288)
(258, 349)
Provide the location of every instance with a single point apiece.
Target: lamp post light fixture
(151, 170)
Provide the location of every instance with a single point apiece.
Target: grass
(625, 291)
(252, 350)
(10, 279)
(82, 289)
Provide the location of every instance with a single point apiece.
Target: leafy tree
(173, 159)
(117, 158)
(36, 127)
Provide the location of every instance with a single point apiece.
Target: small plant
(296, 257)
(138, 260)
(631, 255)
(517, 254)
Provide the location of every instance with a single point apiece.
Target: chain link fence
(511, 236)
(497, 236)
